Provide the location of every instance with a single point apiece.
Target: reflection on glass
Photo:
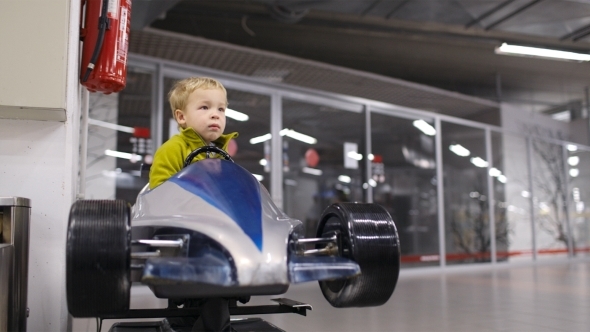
(510, 178)
(579, 186)
(465, 193)
(404, 183)
(133, 144)
(322, 159)
(550, 197)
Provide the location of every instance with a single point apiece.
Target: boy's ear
(179, 115)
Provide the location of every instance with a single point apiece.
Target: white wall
(38, 159)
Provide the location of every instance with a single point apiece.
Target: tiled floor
(549, 296)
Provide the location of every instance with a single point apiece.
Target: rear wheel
(98, 257)
(369, 237)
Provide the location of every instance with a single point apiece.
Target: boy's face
(205, 113)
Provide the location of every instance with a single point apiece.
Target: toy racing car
(212, 230)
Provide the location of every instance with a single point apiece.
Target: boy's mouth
(214, 126)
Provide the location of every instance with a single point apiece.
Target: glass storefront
(404, 182)
(338, 149)
(466, 194)
(323, 159)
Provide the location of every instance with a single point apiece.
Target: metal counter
(15, 215)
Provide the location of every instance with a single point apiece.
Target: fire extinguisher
(105, 34)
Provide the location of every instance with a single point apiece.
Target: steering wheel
(202, 149)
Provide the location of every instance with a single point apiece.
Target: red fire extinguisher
(105, 33)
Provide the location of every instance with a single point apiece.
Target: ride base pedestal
(237, 324)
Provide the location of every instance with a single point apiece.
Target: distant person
(198, 105)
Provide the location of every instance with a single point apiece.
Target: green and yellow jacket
(169, 158)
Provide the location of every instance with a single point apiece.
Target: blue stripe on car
(228, 187)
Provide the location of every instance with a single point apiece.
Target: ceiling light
(371, 156)
(459, 150)
(239, 116)
(477, 161)
(258, 177)
(573, 160)
(344, 178)
(574, 172)
(312, 171)
(502, 178)
(541, 52)
(424, 127)
(572, 147)
(263, 162)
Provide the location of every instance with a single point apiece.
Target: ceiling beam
(514, 13)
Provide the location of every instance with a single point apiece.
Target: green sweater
(169, 158)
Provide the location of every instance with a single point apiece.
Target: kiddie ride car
(211, 231)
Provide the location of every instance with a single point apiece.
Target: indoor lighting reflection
(459, 150)
(123, 155)
(239, 116)
(344, 178)
(424, 127)
(312, 171)
(573, 161)
(285, 132)
(477, 161)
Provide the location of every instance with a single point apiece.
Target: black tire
(98, 258)
(368, 237)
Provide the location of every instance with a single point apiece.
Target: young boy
(198, 106)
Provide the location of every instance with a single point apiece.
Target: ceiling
(445, 44)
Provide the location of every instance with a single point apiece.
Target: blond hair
(178, 95)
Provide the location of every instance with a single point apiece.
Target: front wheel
(369, 237)
(98, 258)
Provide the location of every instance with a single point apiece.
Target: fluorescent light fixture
(525, 194)
(371, 156)
(477, 161)
(260, 139)
(495, 172)
(111, 126)
(574, 172)
(258, 177)
(502, 178)
(572, 147)
(239, 116)
(354, 155)
(573, 160)
(541, 52)
(424, 127)
(372, 183)
(312, 171)
(263, 162)
(344, 178)
(123, 155)
(459, 150)
(285, 132)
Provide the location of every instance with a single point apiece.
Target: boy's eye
(222, 110)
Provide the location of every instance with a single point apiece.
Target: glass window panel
(514, 241)
(107, 176)
(578, 163)
(549, 190)
(465, 194)
(307, 192)
(404, 180)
